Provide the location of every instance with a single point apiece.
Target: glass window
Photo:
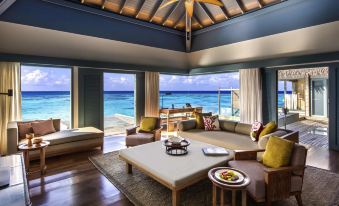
(204, 91)
(46, 93)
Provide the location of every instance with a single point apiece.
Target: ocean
(56, 104)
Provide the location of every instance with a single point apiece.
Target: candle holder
(29, 138)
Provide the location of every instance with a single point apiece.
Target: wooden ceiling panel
(202, 16)
(176, 15)
(173, 16)
(251, 4)
(232, 7)
(216, 12)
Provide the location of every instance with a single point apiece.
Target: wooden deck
(311, 133)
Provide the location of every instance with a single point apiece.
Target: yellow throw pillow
(278, 152)
(268, 129)
(148, 124)
(200, 120)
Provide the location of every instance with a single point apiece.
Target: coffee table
(26, 149)
(174, 172)
(225, 186)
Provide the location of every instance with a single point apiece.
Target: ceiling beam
(224, 10)
(156, 9)
(141, 4)
(242, 6)
(4, 5)
(123, 4)
(170, 12)
(197, 20)
(261, 3)
(179, 19)
(103, 4)
(207, 11)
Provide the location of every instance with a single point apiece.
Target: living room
(189, 99)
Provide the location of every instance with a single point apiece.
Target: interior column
(269, 95)
(139, 97)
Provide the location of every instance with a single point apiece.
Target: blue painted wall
(70, 17)
(286, 16)
(80, 19)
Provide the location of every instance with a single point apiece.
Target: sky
(35, 78)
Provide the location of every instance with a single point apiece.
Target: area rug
(321, 187)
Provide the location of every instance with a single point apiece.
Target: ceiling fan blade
(168, 3)
(215, 2)
(189, 6)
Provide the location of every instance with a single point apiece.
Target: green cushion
(268, 129)
(200, 120)
(148, 124)
(278, 152)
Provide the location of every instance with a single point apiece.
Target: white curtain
(250, 95)
(10, 107)
(152, 94)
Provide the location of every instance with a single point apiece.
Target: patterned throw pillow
(211, 123)
(257, 127)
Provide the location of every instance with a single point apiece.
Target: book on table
(215, 151)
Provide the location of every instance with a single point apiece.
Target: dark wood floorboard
(73, 180)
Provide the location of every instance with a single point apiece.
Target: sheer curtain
(152, 94)
(250, 95)
(10, 107)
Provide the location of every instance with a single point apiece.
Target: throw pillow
(43, 127)
(269, 128)
(200, 120)
(257, 127)
(24, 128)
(148, 124)
(211, 123)
(278, 152)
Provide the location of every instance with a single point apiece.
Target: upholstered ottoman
(174, 172)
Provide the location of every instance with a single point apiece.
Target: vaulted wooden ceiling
(173, 16)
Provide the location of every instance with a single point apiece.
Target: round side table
(26, 149)
(232, 187)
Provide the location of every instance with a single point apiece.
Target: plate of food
(175, 139)
(229, 176)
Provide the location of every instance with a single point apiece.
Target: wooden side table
(232, 187)
(26, 149)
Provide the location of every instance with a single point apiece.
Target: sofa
(61, 141)
(233, 135)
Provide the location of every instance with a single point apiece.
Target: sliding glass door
(118, 102)
(319, 97)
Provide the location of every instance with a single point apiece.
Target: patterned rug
(320, 186)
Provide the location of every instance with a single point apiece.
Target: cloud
(34, 77)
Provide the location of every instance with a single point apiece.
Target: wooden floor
(73, 180)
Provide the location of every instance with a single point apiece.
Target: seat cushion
(242, 128)
(224, 139)
(139, 138)
(255, 171)
(72, 135)
(228, 126)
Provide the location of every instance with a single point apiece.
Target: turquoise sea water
(44, 105)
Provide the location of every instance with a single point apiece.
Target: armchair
(134, 137)
(271, 184)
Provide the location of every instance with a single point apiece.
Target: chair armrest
(283, 169)
(12, 137)
(246, 154)
(278, 182)
(157, 133)
(130, 131)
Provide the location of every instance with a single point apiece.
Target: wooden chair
(271, 184)
(135, 137)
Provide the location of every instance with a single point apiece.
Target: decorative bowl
(37, 140)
